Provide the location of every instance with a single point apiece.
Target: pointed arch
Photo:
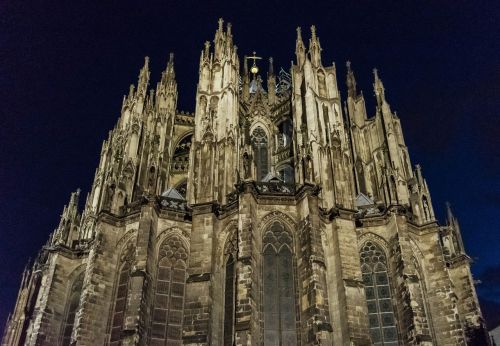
(180, 156)
(375, 277)
(279, 293)
(169, 290)
(268, 219)
(230, 256)
(72, 305)
(121, 293)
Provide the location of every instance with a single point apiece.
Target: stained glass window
(378, 295)
(166, 327)
(279, 288)
(120, 304)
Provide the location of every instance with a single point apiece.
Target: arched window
(279, 287)
(229, 302)
(166, 328)
(378, 295)
(74, 301)
(259, 143)
(121, 294)
(230, 253)
(180, 158)
(120, 304)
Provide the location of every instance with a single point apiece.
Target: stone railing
(173, 204)
(275, 188)
(180, 164)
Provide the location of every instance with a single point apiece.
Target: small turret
(219, 40)
(142, 84)
(69, 218)
(300, 50)
(246, 80)
(351, 81)
(378, 88)
(271, 83)
(314, 48)
(166, 89)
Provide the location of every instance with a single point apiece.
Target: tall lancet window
(166, 327)
(378, 295)
(73, 302)
(120, 307)
(230, 253)
(279, 287)
(260, 144)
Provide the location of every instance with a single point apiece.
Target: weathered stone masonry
(275, 214)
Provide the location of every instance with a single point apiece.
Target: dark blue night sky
(65, 66)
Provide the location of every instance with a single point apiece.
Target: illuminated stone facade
(275, 214)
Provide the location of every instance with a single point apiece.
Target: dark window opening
(229, 300)
(279, 288)
(378, 296)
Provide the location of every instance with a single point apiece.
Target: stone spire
(69, 218)
(245, 80)
(142, 84)
(378, 88)
(271, 83)
(166, 89)
(300, 50)
(351, 81)
(314, 48)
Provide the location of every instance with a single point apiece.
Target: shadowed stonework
(275, 214)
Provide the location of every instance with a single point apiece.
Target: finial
(313, 31)
(348, 64)
(221, 21)
(229, 28)
(299, 33)
(271, 67)
(375, 73)
(171, 57)
(207, 48)
(254, 69)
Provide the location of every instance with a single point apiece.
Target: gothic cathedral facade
(275, 214)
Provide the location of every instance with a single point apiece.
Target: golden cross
(254, 69)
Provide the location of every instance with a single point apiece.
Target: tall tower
(214, 159)
(322, 145)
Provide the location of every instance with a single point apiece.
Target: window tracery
(378, 295)
(278, 287)
(120, 304)
(180, 158)
(121, 293)
(166, 327)
(230, 253)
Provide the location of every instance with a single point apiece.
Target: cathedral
(278, 213)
